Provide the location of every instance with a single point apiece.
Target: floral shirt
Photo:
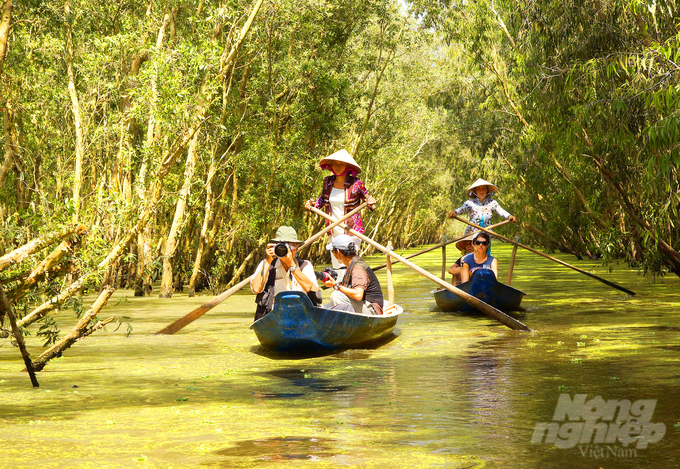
(481, 212)
(355, 192)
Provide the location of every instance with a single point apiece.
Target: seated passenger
(465, 247)
(282, 271)
(479, 259)
(359, 290)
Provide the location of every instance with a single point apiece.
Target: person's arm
(454, 269)
(462, 209)
(363, 192)
(359, 284)
(503, 213)
(306, 278)
(354, 293)
(494, 266)
(464, 272)
(303, 280)
(259, 279)
(320, 202)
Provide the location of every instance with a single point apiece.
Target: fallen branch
(54, 302)
(21, 253)
(78, 332)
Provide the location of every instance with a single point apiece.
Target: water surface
(448, 391)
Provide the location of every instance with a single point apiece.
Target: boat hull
(296, 326)
(483, 286)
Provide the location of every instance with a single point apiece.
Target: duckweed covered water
(449, 391)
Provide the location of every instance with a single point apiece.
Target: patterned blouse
(355, 192)
(481, 212)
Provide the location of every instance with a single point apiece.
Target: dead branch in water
(80, 330)
(37, 244)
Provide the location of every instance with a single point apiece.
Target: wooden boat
(296, 326)
(484, 286)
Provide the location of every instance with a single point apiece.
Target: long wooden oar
(204, 308)
(436, 246)
(480, 305)
(599, 279)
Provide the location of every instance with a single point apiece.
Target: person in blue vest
(479, 259)
(359, 291)
(281, 271)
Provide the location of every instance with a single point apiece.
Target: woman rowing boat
(342, 192)
(481, 205)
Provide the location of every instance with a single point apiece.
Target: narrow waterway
(448, 391)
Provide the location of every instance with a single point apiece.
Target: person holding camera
(359, 291)
(282, 271)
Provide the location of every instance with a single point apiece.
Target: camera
(281, 249)
(326, 274)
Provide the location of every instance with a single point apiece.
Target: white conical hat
(479, 183)
(342, 156)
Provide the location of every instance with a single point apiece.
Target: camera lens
(281, 250)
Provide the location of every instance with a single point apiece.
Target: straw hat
(460, 245)
(478, 183)
(286, 234)
(344, 157)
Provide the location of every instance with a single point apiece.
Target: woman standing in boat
(479, 259)
(341, 193)
(481, 205)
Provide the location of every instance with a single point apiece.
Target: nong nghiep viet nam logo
(580, 422)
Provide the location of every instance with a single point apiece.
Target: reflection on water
(448, 390)
(280, 449)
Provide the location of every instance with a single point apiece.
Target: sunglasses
(481, 243)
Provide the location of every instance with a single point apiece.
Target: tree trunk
(369, 111)
(155, 195)
(16, 331)
(5, 22)
(8, 124)
(171, 243)
(77, 121)
(207, 217)
(143, 281)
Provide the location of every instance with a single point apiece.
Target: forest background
(180, 134)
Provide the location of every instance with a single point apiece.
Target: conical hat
(460, 245)
(342, 156)
(479, 183)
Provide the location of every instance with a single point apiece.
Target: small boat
(296, 326)
(484, 286)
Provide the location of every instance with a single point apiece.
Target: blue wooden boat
(484, 286)
(296, 326)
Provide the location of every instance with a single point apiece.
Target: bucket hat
(478, 183)
(343, 156)
(286, 234)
